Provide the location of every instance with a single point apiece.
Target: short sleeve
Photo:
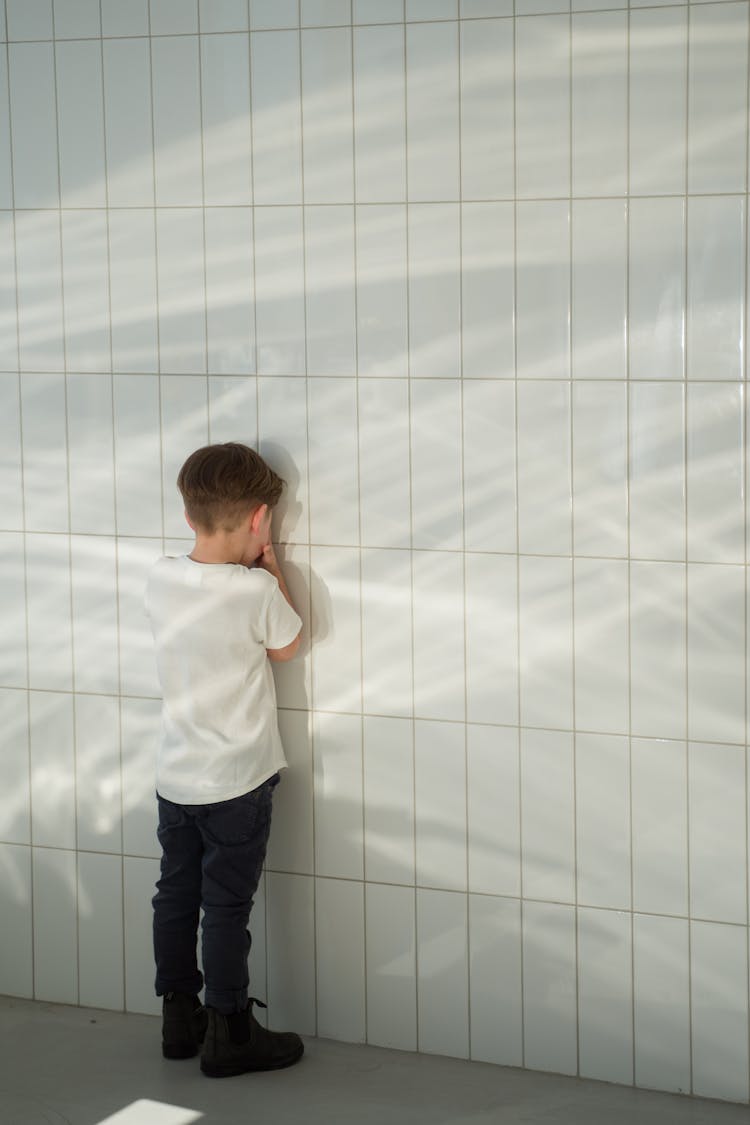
(281, 623)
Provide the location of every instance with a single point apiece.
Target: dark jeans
(212, 857)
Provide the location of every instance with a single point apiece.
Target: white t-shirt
(212, 624)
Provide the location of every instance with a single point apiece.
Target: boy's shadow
(309, 594)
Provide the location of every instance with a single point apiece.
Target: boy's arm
(269, 562)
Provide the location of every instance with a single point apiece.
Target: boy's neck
(223, 547)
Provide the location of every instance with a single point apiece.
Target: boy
(218, 615)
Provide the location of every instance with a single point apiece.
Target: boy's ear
(257, 517)
(190, 523)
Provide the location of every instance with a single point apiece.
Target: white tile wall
(474, 279)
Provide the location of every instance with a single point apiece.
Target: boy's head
(222, 485)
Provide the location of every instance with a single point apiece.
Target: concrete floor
(85, 1067)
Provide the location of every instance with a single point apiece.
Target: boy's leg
(177, 902)
(235, 837)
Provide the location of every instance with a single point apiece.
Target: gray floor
(83, 1067)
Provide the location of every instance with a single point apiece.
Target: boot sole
(213, 1070)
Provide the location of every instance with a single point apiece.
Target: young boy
(218, 616)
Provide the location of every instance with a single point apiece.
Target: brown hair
(221, 484)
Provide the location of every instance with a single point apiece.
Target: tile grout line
(416, 930)
(27, 689)
(462, 440)
(572, 570)
(65, 374)
(158, 372)
(199, 62)
(629, 625)
(686, 336)
(744, 470)
(303, 217)
(157, 325)
(365, 990)
(517, 499)
(258, 426)
(118, 630)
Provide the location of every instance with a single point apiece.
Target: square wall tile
(77, 19)
(658, 649)
(16, 967)
(493, 810)
(29, 19)
(291, 958)
(381, 280)
(718, 860)
(716, 91)
(230, 312)
(600, 102)
(333, 468)
(120, 19)
(489, 465)
(383, 450)
(98, 773)
(275, 71)
(602, 682)
(660, 826)
(100, 931)
(336, 608)
(432, 109)
(603, 821)
(543, 106)
(225, 117)
(55, 926)
(32, 107)
(658, 100)
(600, 468)
(715, 477)
(391, 967)
(48, 607)
(440, 805)
(45, 452)
(491, 638)
(330, 305)
(442, 973)
(549, 988)
(223, 15)
(716, 676)
(337, 774)
(546, 642)
(14, 651)
(661, 993)
(605, 995)
(340, 945)
(486, 55)
(15, 816)
(141, 733)
(547, 816)
(128, 110)
(326, 70)
(139, 883)
(80, 122)
(380, 108)
(91, 453)
(389, 809)
(439, 675)
(495, 980)
(133, 287)
(291, 844)
(718, 977)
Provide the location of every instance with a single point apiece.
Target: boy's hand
(267, 559)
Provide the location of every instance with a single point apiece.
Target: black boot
(237, 1043)
(184, 1023)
